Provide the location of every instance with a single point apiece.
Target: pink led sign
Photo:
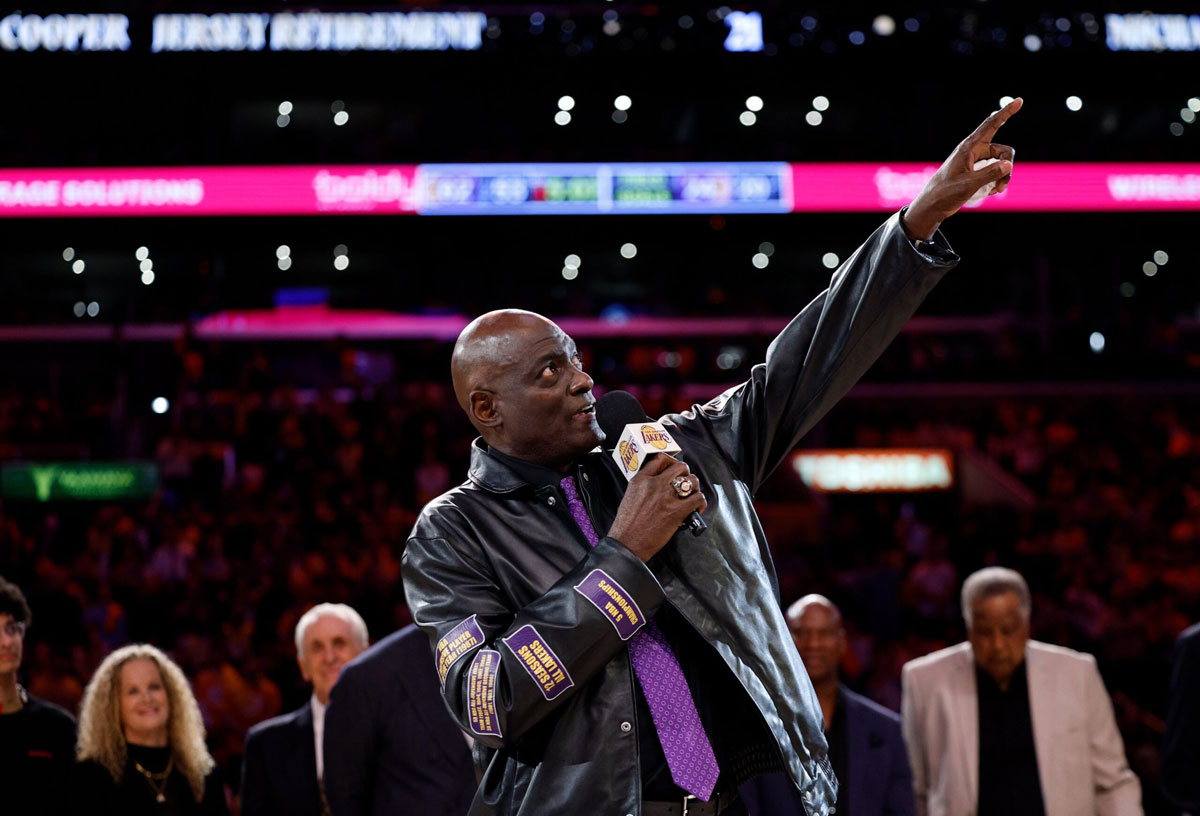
(138, 191)
(390, 189)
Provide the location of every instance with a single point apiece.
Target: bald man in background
(866, 746)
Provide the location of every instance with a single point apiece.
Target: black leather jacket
(496, 555)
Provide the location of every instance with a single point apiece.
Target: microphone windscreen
(614, 411)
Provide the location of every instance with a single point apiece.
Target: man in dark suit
(866, 746)
(391, 747)
(1181, 742)
(283, 765)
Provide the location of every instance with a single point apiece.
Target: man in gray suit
(1003, 724)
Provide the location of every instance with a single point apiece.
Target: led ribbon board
(875, 470)
(78, 481)
(572, 189)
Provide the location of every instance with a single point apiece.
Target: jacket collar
(490, 473)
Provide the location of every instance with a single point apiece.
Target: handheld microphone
(634, 437)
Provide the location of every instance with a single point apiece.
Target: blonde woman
(141, 742)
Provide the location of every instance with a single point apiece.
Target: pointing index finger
(987, 129)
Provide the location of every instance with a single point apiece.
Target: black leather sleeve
(823, 351)
(448, 584)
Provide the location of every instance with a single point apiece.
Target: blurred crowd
(275, 497)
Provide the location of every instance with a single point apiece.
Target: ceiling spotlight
(160, 405)
(340, 118)
(80, 308)
(1161, 258)
(820, 103)
(623, 103)
(93, 309)
(341, 249)
(285, 108)
(884, 25)
(570, 272)
(747, 118)
(628, 250)
(1005, 101)
(572, 260)
(341, 262)
(146, 265)
(148, 277)
(77, 267)
(830, 260)
(285, 263)
(283, 120)
(1074, 103)
(1096, 341)
(1149, 269)
(141, 253)
(1194, 104)
(282, 251)
(813, 118)
(754, 103)
(620, 117)
(1033, 42)
(760, 260)
(566, 103)
(562, 118)
(1176, 129)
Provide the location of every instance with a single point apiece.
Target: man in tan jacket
(1005, 725)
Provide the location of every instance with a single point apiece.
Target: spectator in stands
(37, 738)
(865, 744)
(1003, 724)
(390, 744)
(141, 742)
(1181, 743)
(283, 767)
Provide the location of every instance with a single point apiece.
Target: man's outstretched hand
(957, 179)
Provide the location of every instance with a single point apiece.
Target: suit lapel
(966, 716)
(1044, 709)
(305, 755)
(865, 797)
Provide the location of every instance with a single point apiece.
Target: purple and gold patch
(540, 661)
(457, 642)
(481, 693)
(613, 601)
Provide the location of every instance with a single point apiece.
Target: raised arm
(837, 337)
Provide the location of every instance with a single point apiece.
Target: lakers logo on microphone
(629, 455)
(655, 437)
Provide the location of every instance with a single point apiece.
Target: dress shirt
(1008, 772)
(318, 715)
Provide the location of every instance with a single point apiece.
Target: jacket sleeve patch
(613, 602)
(481, 693)
(457, 642)
(540, 661)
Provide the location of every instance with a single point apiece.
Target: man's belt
(690, 806)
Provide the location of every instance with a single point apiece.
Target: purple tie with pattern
(685, 745)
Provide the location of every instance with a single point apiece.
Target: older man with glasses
(37, 738)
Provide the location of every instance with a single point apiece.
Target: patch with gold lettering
(540, 661)
(613, 601)
(481, 693)
(457, 642)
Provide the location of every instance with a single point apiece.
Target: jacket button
(626, 727)
(550, 501)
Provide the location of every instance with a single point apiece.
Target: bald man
(602, 662)
(866, 746)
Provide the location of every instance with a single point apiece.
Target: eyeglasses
(14, 629)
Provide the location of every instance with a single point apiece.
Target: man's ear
(484, 410)
(303, 669)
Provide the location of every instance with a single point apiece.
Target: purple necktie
(685, 745)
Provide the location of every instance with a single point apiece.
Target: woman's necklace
(157, 781)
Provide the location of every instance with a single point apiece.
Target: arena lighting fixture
(1187, 114)
(146, 265)
(622, 103)
(747, 118)
(570, 272)
(340, 118)
(754, 103)
(562, 118)
(141, 253)
(1128, 289)
(760, 260)
(283, 120)
(68, 254)
(160, 405)
(93, 309)
(285, 108)
(814, 118)
(884, 25)
(284, 263)
(1004, 100)
(1033, 42)
(80, 308)
(620, 117)
(767, 248)
(283, 251)
(1074, 103)
(1161, 258)
(566, 103)
(1096, 342)
(912, 25)
(1194, 104)
(78, 266)
(830, 260)
(628, 250)
(148, 277)
(573, 261)
(1176, 129)
(341, 262)
(820, 103)
(1149, 269)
